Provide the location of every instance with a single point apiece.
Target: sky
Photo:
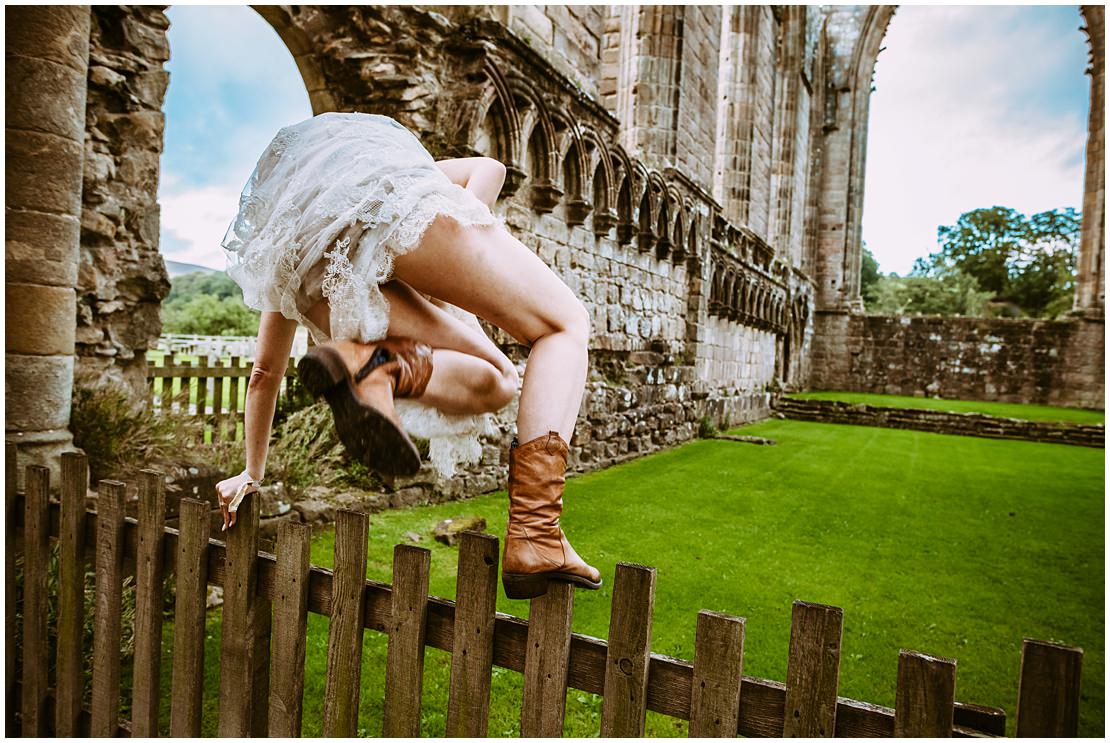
(973, 106)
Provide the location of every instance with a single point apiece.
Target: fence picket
(233, 401)
(624, 704)
(191, 570)
(238, 644)
(71, 596)
(472, 653)
(36, 557)
(1048, 690)
(813, 671)
(925, 697)
(149, 573)
(546, 661)
(11, 552)
(404, 670)
(718, 669)
(167, 386)
(107, 627)
(341, 691)
(217, 404)
(294, 542)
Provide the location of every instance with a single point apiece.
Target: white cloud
(194, 221)
(957, 124)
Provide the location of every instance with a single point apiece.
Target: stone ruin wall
(1006, 360)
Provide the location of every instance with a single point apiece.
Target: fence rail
(267, 598)
(212, 389)
(221, 345)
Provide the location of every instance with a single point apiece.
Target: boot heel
(319, 370)
(523, 586)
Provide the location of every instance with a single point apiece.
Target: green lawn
(954, 546)
(1000, 409)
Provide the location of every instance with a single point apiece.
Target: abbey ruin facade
(694, 173)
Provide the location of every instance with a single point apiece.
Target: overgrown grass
(954, 546)
(999, 409)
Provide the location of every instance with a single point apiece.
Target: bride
(349, 226)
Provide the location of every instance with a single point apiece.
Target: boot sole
(367, 434)
(531, 585)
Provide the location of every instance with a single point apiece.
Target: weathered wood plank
(294, 543)
(341, 692)
(71, 595)
(36, 558)
(11, 553)
(237, 636)
(718, 670)
(1048, 691)
(233, 401)
(148, 605)
(925, 696)
(546, 661)
(404, 670)
(472, 651)
(813, 671)
(624, 704)
(108, 627)
(218, 405)
(191, 569)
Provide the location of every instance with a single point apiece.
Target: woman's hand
(231, 492)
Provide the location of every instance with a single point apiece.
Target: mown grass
(999, 409)
(949, 545)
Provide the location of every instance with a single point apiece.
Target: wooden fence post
(472, 653)
(109, 596)
(233, 400)
(237, 638)
(36, 558)
(71, 596)
(546, 661)
(718, 669)
(404, 670)
(217, 401)
(624, 704)
(925, 697)
(1048, 691)
(813, 671)
(149, 573)
(11, 552)
(294, 544)
(191, 570)
(341, 690)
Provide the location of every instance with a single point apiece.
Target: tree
(951, 293)
(207, 304)
(1027, 261)
(869, 275)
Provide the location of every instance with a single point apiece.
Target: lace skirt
(330, 204)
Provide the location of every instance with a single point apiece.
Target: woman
(350, 227)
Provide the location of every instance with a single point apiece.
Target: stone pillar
(47, 62)
(1090, 290)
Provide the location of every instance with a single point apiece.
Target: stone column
(1090, 290)
(47, 52)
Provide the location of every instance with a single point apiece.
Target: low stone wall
(959, 424)
(1042, 362)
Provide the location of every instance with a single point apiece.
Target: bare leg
(487, 271)
(469, 373)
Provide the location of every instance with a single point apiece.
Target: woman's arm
(482, 176)
(275, 340)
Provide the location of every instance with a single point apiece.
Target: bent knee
(576, 322)
(262, 377)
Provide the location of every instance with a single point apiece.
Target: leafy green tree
(207, 304)
(869, 275)
(951, 293)
(1030, 261)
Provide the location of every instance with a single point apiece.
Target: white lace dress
(332, 201)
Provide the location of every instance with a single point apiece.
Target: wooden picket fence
(200, 390)
(267, 598)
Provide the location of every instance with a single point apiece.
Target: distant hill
(176, 268)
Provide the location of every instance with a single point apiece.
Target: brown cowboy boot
(359, 381)
(536, 549)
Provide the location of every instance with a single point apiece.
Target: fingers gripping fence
(267, 598)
